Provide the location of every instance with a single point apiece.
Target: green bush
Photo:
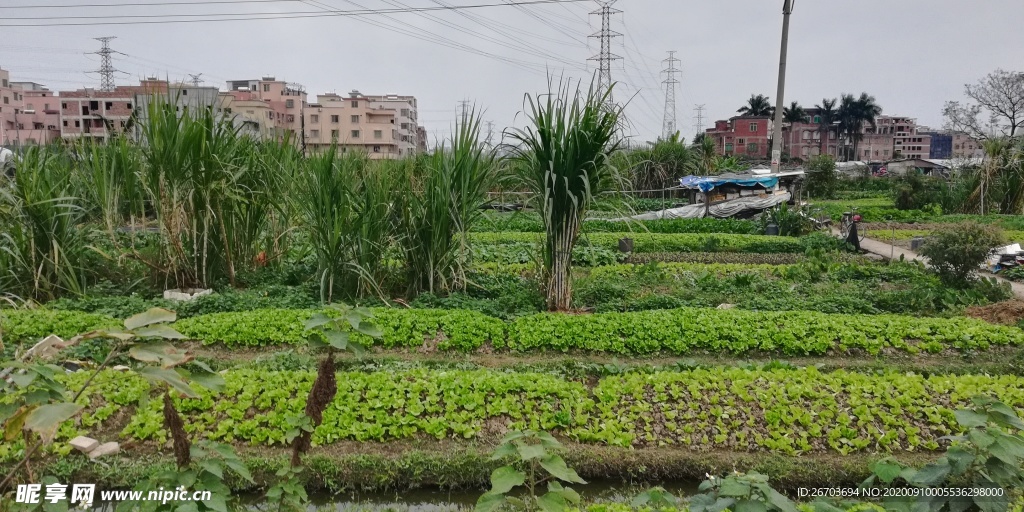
(956, 251)
(530, 223)
(822, 181)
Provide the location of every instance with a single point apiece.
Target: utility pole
(699, 117)
(787, 9)
(605, 57)
(106, 70)
(195, 79)
(669, 122)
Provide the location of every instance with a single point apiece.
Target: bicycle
(848, 222)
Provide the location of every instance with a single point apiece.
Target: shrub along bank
(676, 331)
(784, 411)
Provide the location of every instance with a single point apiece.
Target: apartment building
(742, 136)
(406, 120)
(809, 138)
(99, 115)
(28, 113)
(361, 123)
(266, 107)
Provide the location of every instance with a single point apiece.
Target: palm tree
(757, 105)
(827, 117)
(562, 159)
(853, 114)
(794, 113)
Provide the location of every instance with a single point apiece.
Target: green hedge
(661, 242)
(682, 331)
(676, 331)
(787, 411)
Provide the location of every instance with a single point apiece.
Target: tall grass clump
(210, 198)
(346, 210)
(563, 161)
(42, 246)
(440, 201)
(109, 181)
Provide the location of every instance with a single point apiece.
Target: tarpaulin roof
(707, 183)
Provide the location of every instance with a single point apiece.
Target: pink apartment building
(28, 113)
(267, 107)
(355, 122)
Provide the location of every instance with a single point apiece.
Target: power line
(162, 18)
(141, 4)
(669, 122)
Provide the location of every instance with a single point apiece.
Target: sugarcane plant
(562, 160)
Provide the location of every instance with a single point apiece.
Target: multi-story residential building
(965, 146)
(355, 122)
(183, 96)
(89, 113)
(406, 121)
(280, 117)
(742, 136)
(809, 138)
(907, 141)
(28, 114)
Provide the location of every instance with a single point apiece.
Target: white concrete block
(84, 444)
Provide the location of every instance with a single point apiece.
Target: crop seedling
(536, 462)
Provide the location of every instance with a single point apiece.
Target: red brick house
(742, 136)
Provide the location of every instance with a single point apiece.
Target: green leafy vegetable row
(674, 331)
(786, 411)
(662, 242)
(531, 222)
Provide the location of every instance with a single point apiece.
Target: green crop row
(531, 223)
(787, 411)
(675, 331)
(662, 242)
(678, 269)
(683, 331)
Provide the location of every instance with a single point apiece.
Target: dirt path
(888, 251)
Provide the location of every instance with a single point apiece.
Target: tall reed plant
(42, 245)
(441, 199)
(563, 160)
(347, 213)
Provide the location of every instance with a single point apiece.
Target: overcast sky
(912, 55)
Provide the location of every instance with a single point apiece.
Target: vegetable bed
(787, 411)
(664, 242)
(672, 331)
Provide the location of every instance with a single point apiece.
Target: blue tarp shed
(707, 183)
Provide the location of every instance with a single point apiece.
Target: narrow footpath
(888, 251)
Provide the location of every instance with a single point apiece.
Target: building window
(354, 119)
(5, 82)
(751, 148)
(885, 152)
(270, 115)
(314, 133)
(728, 148)
(739, 141)
(817, 135)
(335, 119)
(64, 106)
(405, 112)
(334, 134)
(109, 105)
(355, 134)
(807, 135)
(65, 122)
(805, 150)
(289, 103)
(314, 118)
(266, 87)
(7, 101)
(77, 125)
(753, 127)
(355, 104)
(376, 149)
(378, 134)
(832, 135)
(817, 119)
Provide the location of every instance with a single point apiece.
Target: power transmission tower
(699, 117)
(605, 57)
(490, 132)
(106, 70)
(195, 79)
(669, 122)
(463, 108)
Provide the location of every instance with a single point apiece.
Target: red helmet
(856, 218)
